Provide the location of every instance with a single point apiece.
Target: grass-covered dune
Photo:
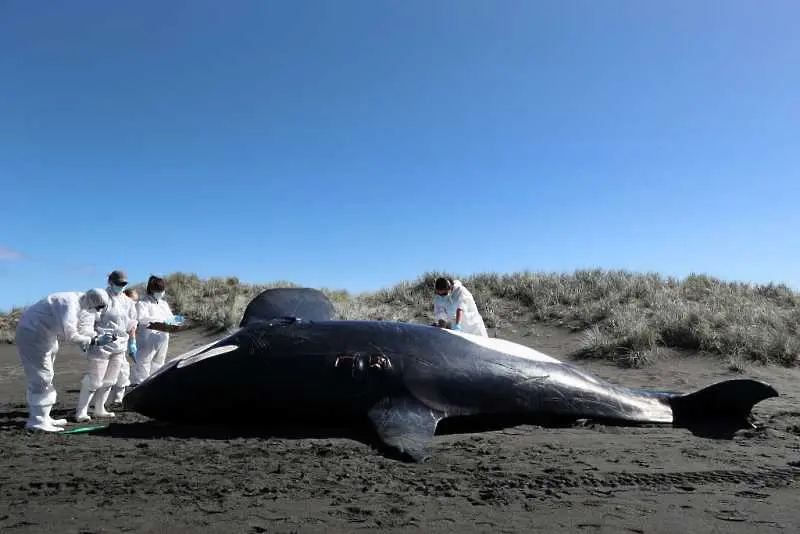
(625, 316)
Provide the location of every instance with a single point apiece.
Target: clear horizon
(361, 144)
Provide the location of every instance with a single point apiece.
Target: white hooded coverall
(103, 363)
(124, 375)
(460, 297)
(42, 325)
(152, 344)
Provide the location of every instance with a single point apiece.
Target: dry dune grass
(8, 322)
(626, 317)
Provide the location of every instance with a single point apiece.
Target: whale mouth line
(216, 351)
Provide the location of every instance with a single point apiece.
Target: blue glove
(132, 349)
(177, 319)
(456, 326)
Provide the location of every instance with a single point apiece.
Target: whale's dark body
(401, 378)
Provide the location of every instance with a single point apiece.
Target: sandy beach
(139, 476)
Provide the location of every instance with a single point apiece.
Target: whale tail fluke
(724, 404)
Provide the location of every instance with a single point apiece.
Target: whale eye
(350, 365)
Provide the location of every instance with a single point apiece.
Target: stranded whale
(401, 379)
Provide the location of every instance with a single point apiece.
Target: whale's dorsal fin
(405, 425)
(286, 302)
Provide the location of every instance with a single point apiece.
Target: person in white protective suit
(124, 376)
(453, 303)
(42, 325)
(153, 344)
(104, 362)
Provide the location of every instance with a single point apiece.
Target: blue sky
(357, 143)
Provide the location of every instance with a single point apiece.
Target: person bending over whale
(453, 303)
(55, 317)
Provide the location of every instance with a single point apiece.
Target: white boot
(40, 420)
(82, 411)
(100, 398)
(54, 422)
(117, 393)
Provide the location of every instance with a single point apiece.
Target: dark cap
(118, 278)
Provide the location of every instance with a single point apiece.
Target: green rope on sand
(83, 429)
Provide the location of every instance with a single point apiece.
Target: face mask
(116, 289)
(158, 295)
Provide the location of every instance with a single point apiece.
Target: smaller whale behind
(290, 362)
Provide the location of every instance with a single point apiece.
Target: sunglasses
(100, 308)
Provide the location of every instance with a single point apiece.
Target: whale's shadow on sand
(364, 433)
(361, 431)
(156, 430)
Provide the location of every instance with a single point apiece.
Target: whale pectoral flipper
(406, 425)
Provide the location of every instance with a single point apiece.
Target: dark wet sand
(142, 477)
